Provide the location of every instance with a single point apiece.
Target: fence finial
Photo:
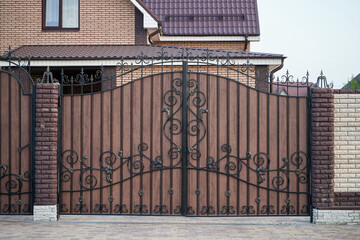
(47, 77)
(322, 81)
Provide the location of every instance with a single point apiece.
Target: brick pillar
(46, 142)
(322, 148)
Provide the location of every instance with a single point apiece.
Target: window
(60, 14)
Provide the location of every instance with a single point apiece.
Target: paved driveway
(136, 227)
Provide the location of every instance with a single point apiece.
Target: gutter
(246, 42)
(278, 68)
(155, 33)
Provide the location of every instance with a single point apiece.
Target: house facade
(51, 32)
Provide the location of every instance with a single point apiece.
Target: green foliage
(354, 83)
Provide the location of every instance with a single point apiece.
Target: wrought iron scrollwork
(109, 164)
(249, 210)
(227, 210)
(177, 210)
(267, 209)
(161, 209)
(81, 207)
(196, 127)
(190, 210)
(13, 182)
(287, 208)
(173, 125)
(207, 210)
(261, 161)
(120, 208)
(305, 209)
(81, 78)
(141, 209)
(101, 208)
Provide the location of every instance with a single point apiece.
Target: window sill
(61, 29)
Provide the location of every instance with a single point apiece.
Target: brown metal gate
(182, 139)
(16, 139)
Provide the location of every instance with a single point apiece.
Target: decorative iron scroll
(109, 164)
(14, 182)
(279, 182)
(14, 187)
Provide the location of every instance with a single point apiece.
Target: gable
(150, 21)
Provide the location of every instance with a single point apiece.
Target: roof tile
(202, 17)
(42, 52)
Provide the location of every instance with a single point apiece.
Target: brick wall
(347, 199)
(347, 142)
(222, 71)
(322, 148)
(101, 22)
(46, 144)
(347, 148)
(233, 46)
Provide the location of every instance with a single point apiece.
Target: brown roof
(292, 88)
(42, 52)
(206, 17)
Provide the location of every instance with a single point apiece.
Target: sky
(314, 35)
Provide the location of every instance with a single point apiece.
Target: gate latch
(23, 147)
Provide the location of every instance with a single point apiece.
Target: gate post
(46, 143)
(184, 143)
(322, 150)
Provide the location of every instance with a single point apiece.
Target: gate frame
(7, 66)
(184, 157)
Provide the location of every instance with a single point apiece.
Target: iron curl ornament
(109, 164)
(278, 178)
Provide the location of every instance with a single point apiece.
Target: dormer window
(60, 14)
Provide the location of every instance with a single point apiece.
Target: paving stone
(166, 227)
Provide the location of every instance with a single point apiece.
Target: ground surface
(136, 227)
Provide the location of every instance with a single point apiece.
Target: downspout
(278, 68)
(246, 42)
(151, 35)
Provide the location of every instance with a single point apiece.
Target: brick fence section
(46, 137)
(323, 148)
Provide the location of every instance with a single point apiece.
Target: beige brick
(347, 129)
(340, 124)
(357, 96)
(346, 175)
(341, 151)
(341, 161)
(345, 110)
(346, 100)
(352, 180)
(339, 171)
(354, 170)
(354, 114)
(339, 96)
(353, 124)
(340, 115)
(354, 152)
(342, 180)
(347, 138)
(348, 119)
